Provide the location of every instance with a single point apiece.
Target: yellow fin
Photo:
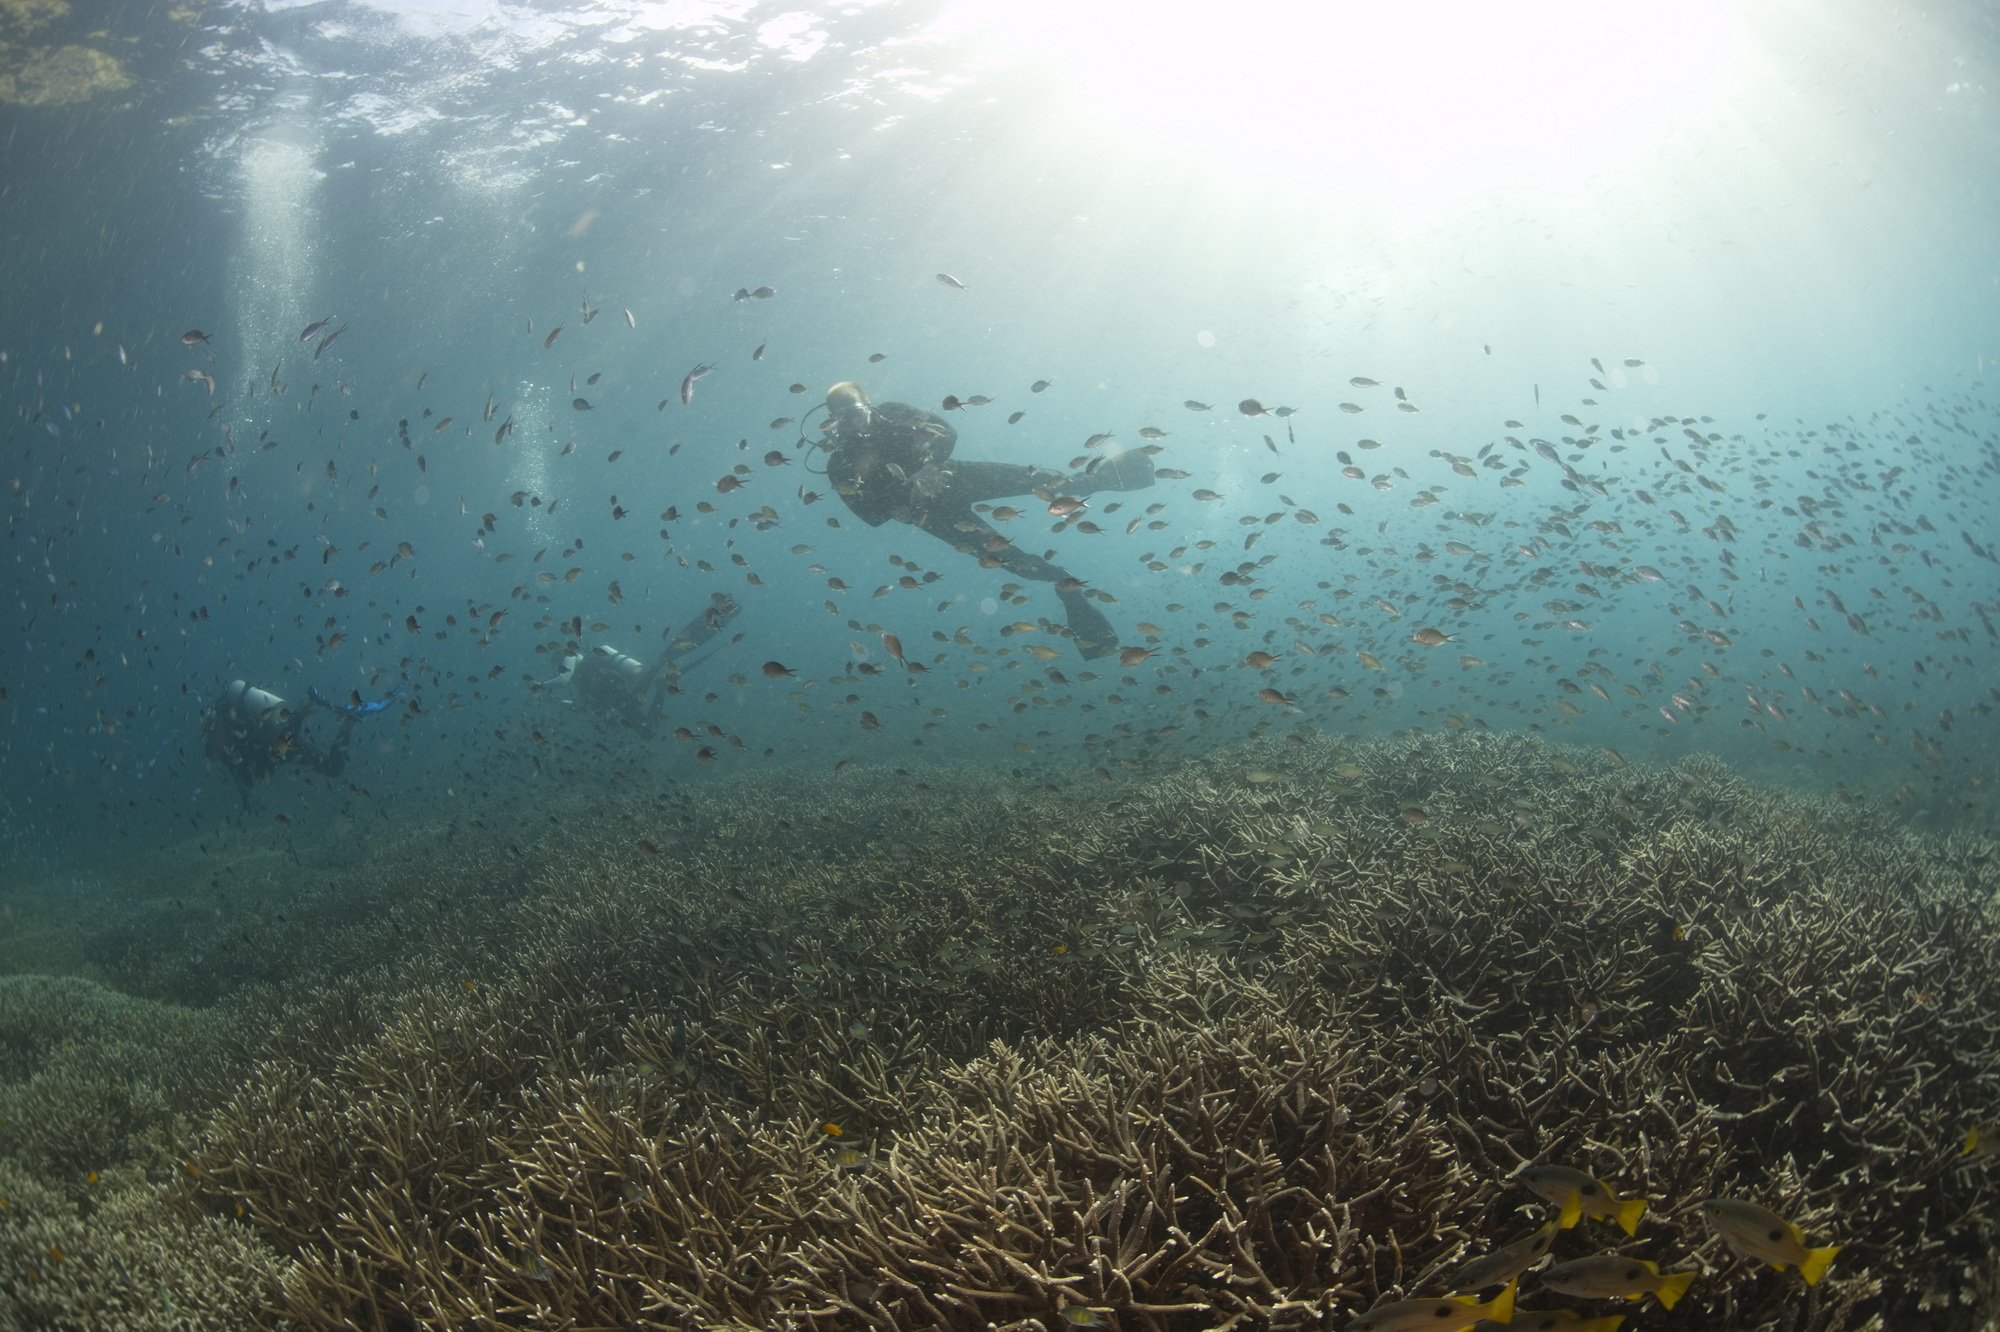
(1814, 1267)
(1501, 1310)
(1572, 1211)
(1673, 1287)
(1629, 1213)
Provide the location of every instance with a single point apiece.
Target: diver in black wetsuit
(252, 731)
(610, 683)
(891, 460)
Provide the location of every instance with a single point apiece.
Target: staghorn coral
(1214, 1050)
(86, 1072)
(92, 1085)
(131, 1255)
(1169, 1174)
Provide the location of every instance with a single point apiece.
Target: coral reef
(54, 76)
(20, 17)
(93, 1233)
(132, 1256)
(51, 75)
(86, 1072)
(1257, 1041)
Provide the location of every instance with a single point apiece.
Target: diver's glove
(929, 482)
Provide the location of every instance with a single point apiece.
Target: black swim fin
(1127, 471)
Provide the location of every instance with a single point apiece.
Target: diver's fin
(1093, 633)
(1127, 471)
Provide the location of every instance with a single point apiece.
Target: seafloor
(1255, 1041)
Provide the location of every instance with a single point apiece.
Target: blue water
(1765, 300)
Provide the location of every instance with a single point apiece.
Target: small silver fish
(688, 381)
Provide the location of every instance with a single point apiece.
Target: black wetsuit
(251, 732)
(614, 683)
(876, 468)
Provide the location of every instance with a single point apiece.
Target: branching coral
(1260, 1042)
(91, 1083)
(85, 1071)
(131, 1255)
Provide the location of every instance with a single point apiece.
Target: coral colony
(1301, 1035)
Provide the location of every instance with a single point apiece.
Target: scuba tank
(244, 728)
(607, 677)
(631, 669)
(250, 703)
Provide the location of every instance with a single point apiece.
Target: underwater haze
(683, 663)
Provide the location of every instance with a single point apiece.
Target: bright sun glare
(1416, 99)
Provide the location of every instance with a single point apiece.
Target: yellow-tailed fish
(1442, 1315)
(1553, 1320)
(1761, 1234)
(1578, 1194)
(1507, 1262)
(1608, 1276)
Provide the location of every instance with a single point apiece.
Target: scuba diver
(252, 731)
(891, 460)
(608, 682)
